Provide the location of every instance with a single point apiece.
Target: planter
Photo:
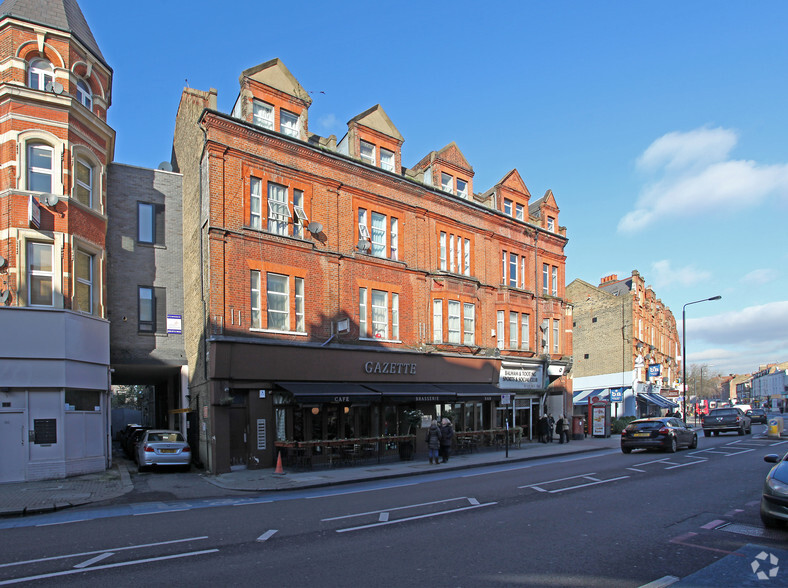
(406, 450)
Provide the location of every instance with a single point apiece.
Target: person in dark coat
(447, 437)
(550, 428)
(434, 441)
(541, 429)
(559, 425)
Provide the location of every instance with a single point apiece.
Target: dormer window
(263, 115)
(519, 212)
(288, 123)
(367, 152)
(387, 159)
(550, 224)
(462, 188)
(507, 206)
(40, 74)
(447, 182)
(84, 94)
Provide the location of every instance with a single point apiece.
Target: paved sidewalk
(24, 498)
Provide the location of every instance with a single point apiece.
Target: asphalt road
(604, 519)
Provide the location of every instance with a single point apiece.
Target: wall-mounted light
(315, 410)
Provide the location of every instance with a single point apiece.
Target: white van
(743, 407)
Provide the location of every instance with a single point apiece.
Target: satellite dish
(57, 88)
(314, 227)
(2, 261)
(49, 199)
(364, 246)
(4, 296)
(48, 87)
(165, 166)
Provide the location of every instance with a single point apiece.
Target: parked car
(666, 433)
(774, 500)
(161, 447)
(757, 415)
(722, 420)
(126, 438)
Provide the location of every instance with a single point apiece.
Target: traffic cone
(279, 469)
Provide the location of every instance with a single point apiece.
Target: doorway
(238, 437)
(14, 443)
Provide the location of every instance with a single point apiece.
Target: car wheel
(674, 445)
(707, 433)
(716, 433)
(694, 444)
(141, 468)
(749, 430)
(742, 431)
(626, 449)
(770, 522)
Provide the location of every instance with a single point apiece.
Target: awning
(475, 391)
(339, 392)
(583, 396)
(658, 399)
(408, 392)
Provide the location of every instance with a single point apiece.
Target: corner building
(331, 292)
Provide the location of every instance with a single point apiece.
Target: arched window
(84, 94)
(40, 74)
(39, 167)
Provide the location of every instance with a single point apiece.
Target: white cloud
(760, 276)
(765, 326)
(327, 122)
(663, 275)
(696, 178)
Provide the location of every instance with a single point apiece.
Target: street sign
(506, 398)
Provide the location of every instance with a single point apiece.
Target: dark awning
(410, 392)
(475, 391)
(339, 392)
(658, 399)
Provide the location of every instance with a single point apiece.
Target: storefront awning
(475, 391)
(408, 392)
(658, 399)
(339, 392)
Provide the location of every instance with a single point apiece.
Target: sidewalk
(25, 498)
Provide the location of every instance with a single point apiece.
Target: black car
(666, 433)
(757, 415)
(774, 500)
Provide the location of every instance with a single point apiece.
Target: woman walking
(434, 441)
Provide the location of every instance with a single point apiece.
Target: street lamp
(684, 346)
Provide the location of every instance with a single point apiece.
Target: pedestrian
(541, 429)
(559, 425)
(434, 441)
(550, 428)
(447, 436)
(565, 428)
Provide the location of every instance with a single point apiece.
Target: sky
(660, 126)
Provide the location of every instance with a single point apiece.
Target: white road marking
(413, 518)
(143, 514)
(332, 494)
(62, 523)
(637, 470)
(372, 512)
(713, 524)
(105, 567)
(584, 485)
(84, 553)
(93, 560)
(384, 516)
(683, 465)
(473, 501)
(559, 480)
(267, 535)
(592, 479)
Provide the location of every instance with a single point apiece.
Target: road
(604, 519)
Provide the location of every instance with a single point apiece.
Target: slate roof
(63, 15)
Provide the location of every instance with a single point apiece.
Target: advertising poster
(598, 414)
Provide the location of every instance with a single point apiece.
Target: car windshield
(165, 437)
(646, 425)
(724, 412)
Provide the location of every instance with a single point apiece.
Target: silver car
(774, 501)
(163, 448)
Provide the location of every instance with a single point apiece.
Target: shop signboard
(654, 370)
(616, 394)
(521, 377)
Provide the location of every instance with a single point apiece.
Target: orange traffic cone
(279, 469)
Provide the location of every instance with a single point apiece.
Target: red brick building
(329, 289)
(54, 371)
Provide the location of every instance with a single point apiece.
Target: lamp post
(684, 346)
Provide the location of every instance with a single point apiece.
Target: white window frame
(556, 335)
(380, 314)
(263, 114)
(146, 303)
(300, 213)
(437, 320)
(545, 278)
(507, 206)
(554, 281)
(366, 151)
(84, 282)
(451, 253)
(84, 94)
(363, 329)
(387, 159)
(278, 208)
(39, 73)
(40, 274)
(500, 332)
(514, 323)
(462, 188)
(460, 255)
(519, 211)
(363, 229)
(81, 186)
(522, 272)
(504, 267)
(447, 182)
(454, 324)
(442, 251)
(469, 323)
(255, 203)
(255, 299)
(512, 270)
(394, 239)
(378, 234)
(277, 319)
(525, 331)
(300, 315)
(467, 258)
(550, 224)
(37, 171)
(395, 316)
(288, 123)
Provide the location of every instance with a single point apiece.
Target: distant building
(770, 386)
(626, 347)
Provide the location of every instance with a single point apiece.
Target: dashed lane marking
(267, 535)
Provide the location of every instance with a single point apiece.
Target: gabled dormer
(448, 170)
(373, 138)
(272, 98)
(545, 212)
(510, 196)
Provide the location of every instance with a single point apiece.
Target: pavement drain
(752, 531)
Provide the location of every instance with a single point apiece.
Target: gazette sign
(389, 367)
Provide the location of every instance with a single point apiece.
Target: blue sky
(659, 126)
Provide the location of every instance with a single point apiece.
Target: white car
(162, 447)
